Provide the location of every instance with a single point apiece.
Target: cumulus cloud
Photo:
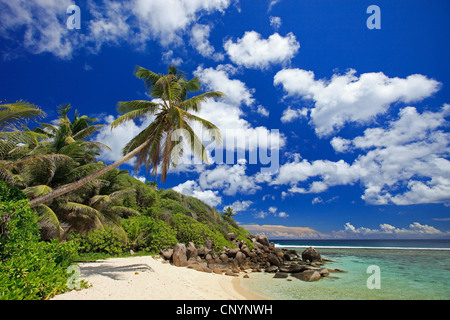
(117, 138)
(200, 41)
(290, 114)
(168, 20)
(349, 98)
(403, 163)
(386, 230)
(239, 206)
(275, 22)
(191, 188)
(252, 51)
(228, 116)
(231, 179)
(42, 23)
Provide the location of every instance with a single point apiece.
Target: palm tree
(154, 145)
(229, 212)
(69, 137)
(13, 120)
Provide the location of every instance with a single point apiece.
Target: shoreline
(147, 278)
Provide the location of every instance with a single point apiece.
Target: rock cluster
(264, 257)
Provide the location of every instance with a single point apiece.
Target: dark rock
(281, 275)
(167, 253)
(179, 255)
(294, 268)
(324, 272)
(246, 251)
(208, 244)
(232, 253)
(308, 275)
(263, 240)
(240, 258)
(232, 236)
(224, 257)
(191, 251)
(311, 254)
(202, 251)
(273, 260)
(231, 273)
(271, 269)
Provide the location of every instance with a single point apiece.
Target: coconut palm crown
(155, 146)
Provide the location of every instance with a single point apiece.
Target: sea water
(408, 270)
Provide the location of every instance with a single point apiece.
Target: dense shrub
(30, 269)
(149, 234)
(190, 230)
(8, 193)
(99, 241)
(241, 234)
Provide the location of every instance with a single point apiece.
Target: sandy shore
(146, 278)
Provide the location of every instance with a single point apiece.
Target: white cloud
(271, 4)
(136, 22)
(227, 114)
(348, 98)
(43, 24)
(387, 230)
(262, 111)
(283, 215)
(405, 163)
(251, 51)
(239, 206)
(117, 138)
(275, 22)
(167, 20)
(199, 40)
(191, 188)
(168, 58)
(230, 179)
(290, 115)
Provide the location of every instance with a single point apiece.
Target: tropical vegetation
(59, 204)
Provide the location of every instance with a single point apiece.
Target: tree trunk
(73, 186)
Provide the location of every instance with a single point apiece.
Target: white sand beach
(147, 278)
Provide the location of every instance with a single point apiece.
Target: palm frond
(195, 102)
(36, 191)
(79, 209)
(49, 223)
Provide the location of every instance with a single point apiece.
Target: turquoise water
(408, 271)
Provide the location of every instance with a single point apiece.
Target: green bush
(99, 241)
(8, 193)
(148, 234)
(241, 234)
(29, 269)
(190, 230)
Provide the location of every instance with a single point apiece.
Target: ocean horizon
(409, 269)
(388, 244)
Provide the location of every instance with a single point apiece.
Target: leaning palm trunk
(171, 114)
(73, 186)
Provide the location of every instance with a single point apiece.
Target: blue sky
(362, 114)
